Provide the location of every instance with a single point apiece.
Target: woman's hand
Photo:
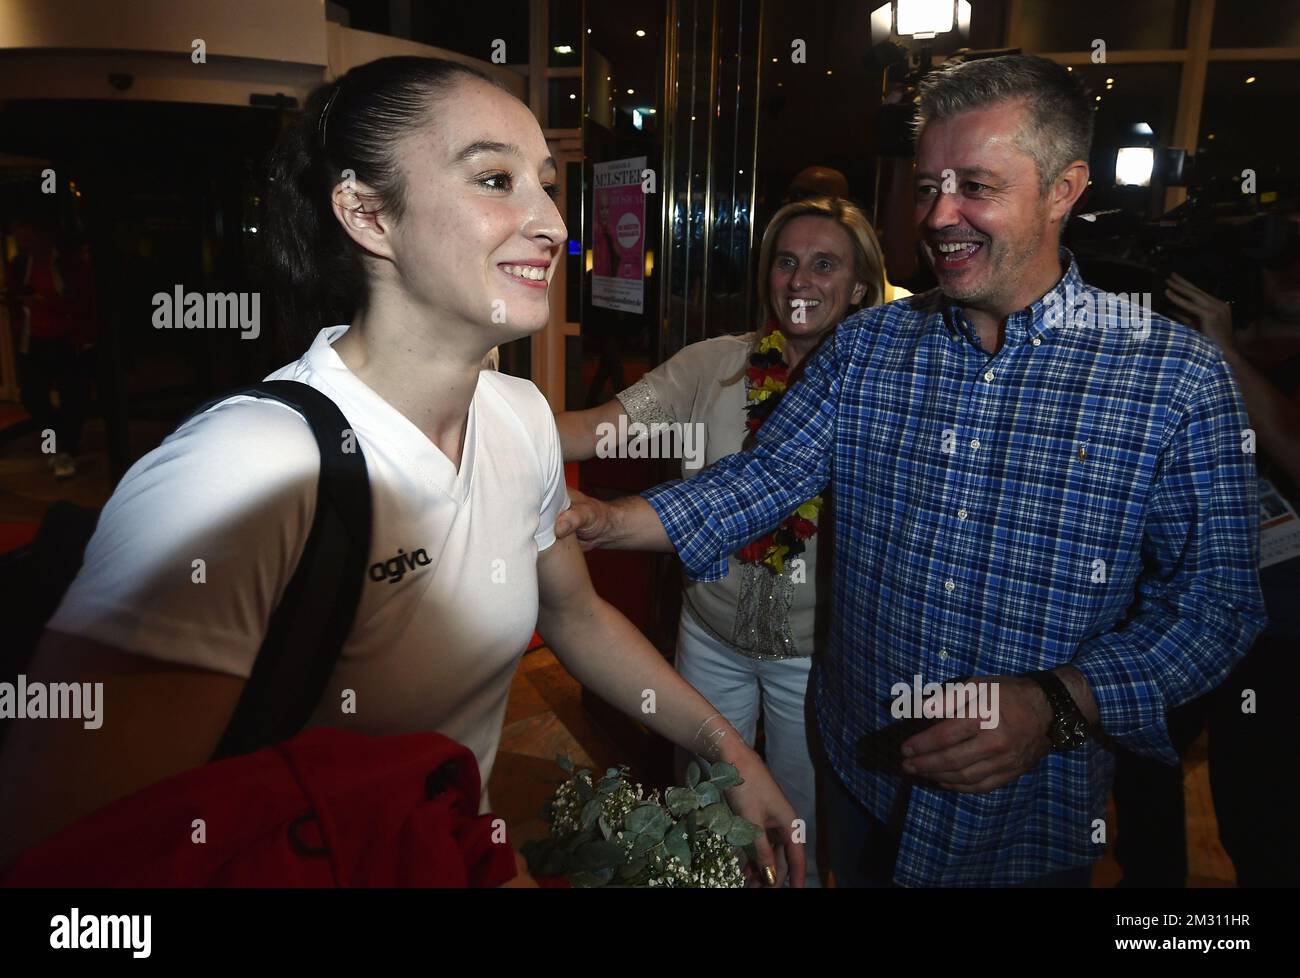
(760, 801)
(609, 656)
(1203, 312)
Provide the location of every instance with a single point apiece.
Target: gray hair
(1059, 126)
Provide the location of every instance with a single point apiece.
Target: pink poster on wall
(618, 235)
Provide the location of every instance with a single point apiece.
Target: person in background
(747, 642)
(52, 305)
(1254, 745)
(892, 129)
(817, 181)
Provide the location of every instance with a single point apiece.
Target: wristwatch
(1069, 727)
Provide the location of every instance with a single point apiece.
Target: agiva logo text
(394, 568)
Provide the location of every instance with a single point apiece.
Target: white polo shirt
(434, 646)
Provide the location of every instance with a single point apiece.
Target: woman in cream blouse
(746, 641)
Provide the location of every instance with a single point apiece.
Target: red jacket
(327, 808)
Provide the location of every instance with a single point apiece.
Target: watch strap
(1066, 713)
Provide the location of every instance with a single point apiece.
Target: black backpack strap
(315, 615)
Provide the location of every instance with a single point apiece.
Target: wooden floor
(546, 715)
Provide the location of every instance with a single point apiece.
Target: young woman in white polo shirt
(414, 201)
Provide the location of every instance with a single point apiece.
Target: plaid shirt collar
(1024, 325)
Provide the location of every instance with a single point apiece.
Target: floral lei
(766, 379)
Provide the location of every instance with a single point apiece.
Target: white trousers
(739, 687)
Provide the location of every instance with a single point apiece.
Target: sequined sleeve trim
(641, 405)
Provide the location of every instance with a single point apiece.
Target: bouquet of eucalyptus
(610, 833)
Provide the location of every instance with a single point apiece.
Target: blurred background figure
(1253, 743)
(52, 303)
(818, 181)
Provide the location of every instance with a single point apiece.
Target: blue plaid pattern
(1082, 497)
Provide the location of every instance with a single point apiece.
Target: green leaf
(590, 813)
(725, 775)
(705, 766)
(605, 828)
(675, 844)
(660, 823)
(611, 782)
(639, 817)
(681, 800)
(707, 793)
(552, 863)
(585, 791)
(565, 763)
(587, 880)
(598, 855)
(569, 844)
(643, 843)
(629, 870)
(742, 833)
(692, 774)
(647, 817)
(716, 818)
(535, 853)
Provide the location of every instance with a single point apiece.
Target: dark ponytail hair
(316, 271)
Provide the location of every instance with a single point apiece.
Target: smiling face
(812, 271)
(990, 233)
(480, 236)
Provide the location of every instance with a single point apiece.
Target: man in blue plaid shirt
(1033, 483)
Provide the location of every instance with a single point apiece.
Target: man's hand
(588, 518)
(628, 523)
(959, 755)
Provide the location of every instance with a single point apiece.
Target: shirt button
(962, 514)
(943, 653)
(949, 585)
(975, 444)
(1036, 341)
(988, 375)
